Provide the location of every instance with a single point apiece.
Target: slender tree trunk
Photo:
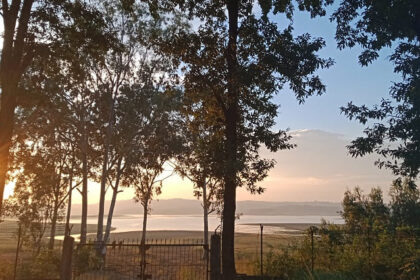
(104, 175)
(53, 228)
(231, 116)
(143, 242)
(110, 214)
(112, 206)
(83, 226)
(68, 214)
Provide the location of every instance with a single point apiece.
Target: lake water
(124, 223)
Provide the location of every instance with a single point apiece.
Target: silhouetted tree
(43, 155)
(202, 152)
(240, 58)
(129, 25)
(35, 34)
(405, 203)
(395, 132)
(144, 129)
(152, 115)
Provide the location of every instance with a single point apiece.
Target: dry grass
(247, 250)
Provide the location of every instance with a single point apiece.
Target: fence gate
(165, 260)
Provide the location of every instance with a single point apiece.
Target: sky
(319, 169)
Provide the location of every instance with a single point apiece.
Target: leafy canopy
(268, 59)
(395, 132)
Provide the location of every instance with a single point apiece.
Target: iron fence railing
(164, 259)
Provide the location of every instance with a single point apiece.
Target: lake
(124, 223)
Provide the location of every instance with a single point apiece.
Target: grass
(247, 245)
(8, 242)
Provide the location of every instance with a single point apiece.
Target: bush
(86, 259)
(45, 265)
(6, 269)
(285, 263)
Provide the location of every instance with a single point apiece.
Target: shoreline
(283, 229)
(287, 226)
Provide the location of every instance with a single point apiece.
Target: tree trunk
(7, 111)
(112, 207)
(231, 120)
(53, 228)
(68, 214)
(143, 242)
(104, 175)
(12, 65)
(83, 226)
(205, 213)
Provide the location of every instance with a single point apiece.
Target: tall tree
(43, 154)
(201, 147)
(144, 127)
(116, 69)
(35, 30)
(241, 58)
(394, 132)
(152, 115)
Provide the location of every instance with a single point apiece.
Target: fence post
(215, 257)
(312, 231)
(66, 259)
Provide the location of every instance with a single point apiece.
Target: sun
(8, 190)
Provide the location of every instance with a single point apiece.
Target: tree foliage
(394, 124)
(237, 60)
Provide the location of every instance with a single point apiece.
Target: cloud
(319, 168)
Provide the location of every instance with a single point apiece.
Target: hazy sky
(319, 168)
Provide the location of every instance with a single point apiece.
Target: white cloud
(319, 168)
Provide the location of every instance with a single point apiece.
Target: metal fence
(164, 259)
(22, 256)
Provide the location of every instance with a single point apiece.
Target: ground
(247, 245)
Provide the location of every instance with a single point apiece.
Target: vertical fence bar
(261, 251)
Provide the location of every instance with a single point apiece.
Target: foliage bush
(377, 241)
(44, 265)
(283, 263)
(6, 269)
(87, 259)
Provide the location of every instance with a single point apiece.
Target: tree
(152, 115)
(43, 156)
(201, 146)
(37, 31)
(33, 213)
(83, 56)
(144, 135)
(361, 212)
(241, 59)
(405, 203)
(108, 76)
(395, 129)
(366, 218)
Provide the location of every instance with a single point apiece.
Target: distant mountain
(266, 208)
(193, 207)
